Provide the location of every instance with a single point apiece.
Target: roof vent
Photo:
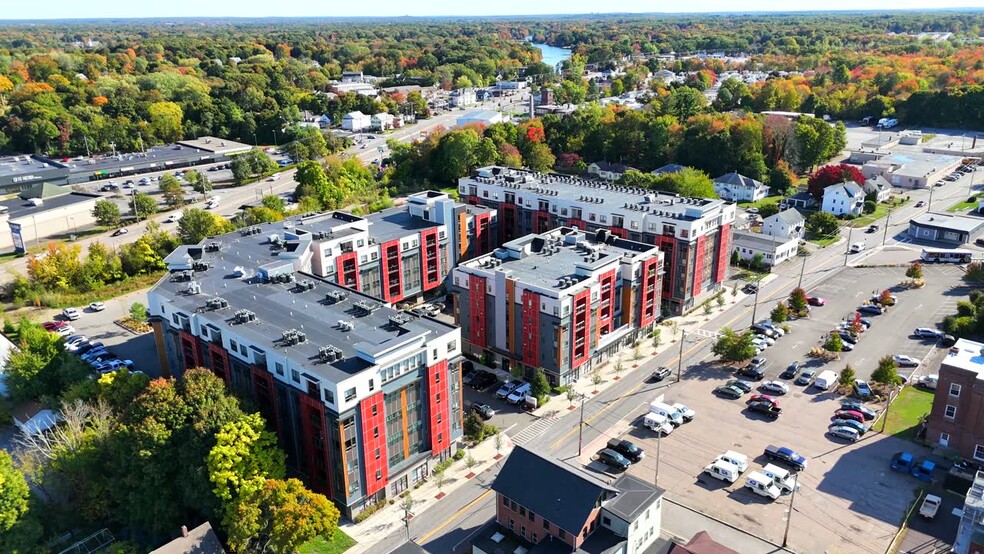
(244, 316)
(334, 296)
(194, 288)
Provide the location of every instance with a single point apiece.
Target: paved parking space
(925, 536)
(508, 418)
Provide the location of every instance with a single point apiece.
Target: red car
(816, 301)
(53, 325)
(848, 414)
(762, 398)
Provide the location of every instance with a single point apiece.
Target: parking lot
(848, 500)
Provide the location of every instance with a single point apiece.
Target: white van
(781, 477)
(762, 485)
(667, 411)
(657, 423)
(736, 459)
(723, 471)
(857, 247)
(825, 380)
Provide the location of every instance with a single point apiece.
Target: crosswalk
(533, 431)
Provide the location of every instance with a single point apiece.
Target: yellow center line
(432, 532)
(597, 414)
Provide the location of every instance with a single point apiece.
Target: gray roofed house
(786, 224)
(738, 188)
(803, 200)
(608, 171)
(843, 199)
(878, 185)
(200, 540)
(669, 169)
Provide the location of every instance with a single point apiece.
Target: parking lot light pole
(789, 516)
(887, 407)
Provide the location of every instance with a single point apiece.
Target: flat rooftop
(395, 223)
(174, 154)
(26, 165)
(967, 355)
(917, 164)
(545, 259)
(236, 264)
(948, 221)
(216, 145)
(760, 240)
(614, 197)
(19, 208)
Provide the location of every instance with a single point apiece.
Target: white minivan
(857, 247)
(667, 411)
(762, 485)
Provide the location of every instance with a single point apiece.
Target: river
(552, 55)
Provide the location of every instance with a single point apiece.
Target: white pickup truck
(930, 505)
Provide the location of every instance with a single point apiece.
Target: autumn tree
(831, 175)
(914, 271)
(144, 205)
(280, 517)
(834, 343)
(196, 224)
(171, 191)
(798, 301)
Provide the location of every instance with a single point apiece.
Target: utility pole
(86, 140)
(887, 407)
(888, 219)
(929, 207)
(683, 339)
(756, 304)
(580, 429)
(847, 251)
(659, 436)
(785, 536)
(802, 269)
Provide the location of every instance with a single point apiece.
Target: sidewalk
(389, 518)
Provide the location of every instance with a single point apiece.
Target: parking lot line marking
(604, 409)
(453, 517)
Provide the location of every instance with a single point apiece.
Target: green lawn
(822, 240)
(906, 412)
(340, 542)
(881, 210)
(962, 206)
(451, 191)
(767, 201)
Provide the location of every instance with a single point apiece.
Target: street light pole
(580, 429)
(888, 219)
(887, 407)
(847, 251)
(802, 269)
(756, 304)
(785, 536)
(683, 339)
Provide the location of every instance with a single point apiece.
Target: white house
(787, 224)
(463, 97)
(774, 250)
(879, 185)
(738, 188)
(356, 121)
(843, 198)
(608, 171)
(381, 122)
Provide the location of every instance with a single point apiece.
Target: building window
(350, 395)
(950, 412)
(280, 369)
(330, 397)
(233, 346)
(438, 418)
(546, 525)
(606, 520)
(534, 538)
(379, 474)
(372, 387)
(295, 376)
(512, 525)
(532, 516)
(523, 530)
(452, 346)
(377, 453)
(944, 439)
(375, 432)
(979, 452)
(522, 511)
(954, 390)
(374, 410)
(440, 438)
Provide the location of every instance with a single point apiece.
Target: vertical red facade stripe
(476, 295)
(391, 263)
(581, 323)
(189, 349)
(373, 439)
(430, 259)
(669, 257)
(220, 361)
(606, 312)
(531, 328)
(650, 292)
(265, 393)
(440, 406)
(579, 223)
(347, 270)
(483, 239)
(699, 264)
(541, 221)
(724, 254)
(314, 440)
(618, 232)
(509, 221)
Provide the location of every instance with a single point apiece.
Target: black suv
(790, 371)
(661, 373)
(483, 380)
(613, 460)
(752, 372)
(628, 449)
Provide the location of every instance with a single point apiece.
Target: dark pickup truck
(766, 407)
(785, 455)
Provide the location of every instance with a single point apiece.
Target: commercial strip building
(41, 212)
(562, 301)
(948, 229)
(364, 398)
(773, 248)
(544, 506)
(912, 170)
(694, 234)
(956, 421)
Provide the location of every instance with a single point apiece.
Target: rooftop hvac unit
(239, 271)
(212, 247)
(334, 296)
(194, 288)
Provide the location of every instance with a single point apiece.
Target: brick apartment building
(541, 503)
(957, 418)
(562, 300)
(693, 233)
(364, 398)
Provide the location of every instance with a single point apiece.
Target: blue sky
(340, 8)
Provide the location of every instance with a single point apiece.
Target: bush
(489, 430)
(562, 389)
(138, 311)
(473, 427)
(365, 514)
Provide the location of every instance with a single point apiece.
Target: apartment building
(970, 533)
(957, 418)
(542, 502)
(563, 300)
(694, 234)
(364, 398)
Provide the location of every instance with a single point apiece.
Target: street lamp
(580, 427)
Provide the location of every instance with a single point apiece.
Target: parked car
(506, 389)
(787, 456)
(762, 398)
(519, 394)
(775, 328)
(729, 390)
(65, 331)
(848, 337)
(848, 433)
(760, 329)
(97, 306)
(87, 347)
(872, 309)
(613, 459)
(53, 325)
(661, 373)
(752, 372)
(484, 411)
(930, 505)
(848, 414)
(816, 301)
(859, 427)
(769, 409)
(856, 406)
(628, 449)
(685, 412)
(775, 387)
(861, 389)
(120, 231)
(947, 341)
(906, 361)
(750, 288)
(71, 314)
(743, 386)
(790, 371)
(926, 332)
(483, 380)
(872, 229)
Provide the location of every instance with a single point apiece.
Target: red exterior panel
(508, 221)
(439, 406)
(374, 458)
(649, 306)
(476, 295)
(391, 269)
(699, 264)
(314, 441)
(541, 221)
(347, 270)
(430, 259)
(606, 309)
(189, 349)
(619, 232)
(531, 328)
(264, 392)
(579, 223)
(220, 361)
(581, 329)
(723, 252)
(669, 258)
(483, 233)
